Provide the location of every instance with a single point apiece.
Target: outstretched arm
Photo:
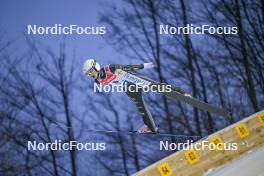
(131, 67)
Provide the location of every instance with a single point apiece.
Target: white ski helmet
(90, 65)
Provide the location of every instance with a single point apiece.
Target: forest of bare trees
(45, 97)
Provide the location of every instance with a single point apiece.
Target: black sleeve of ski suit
(113, 67)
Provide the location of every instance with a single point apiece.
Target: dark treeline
(43, 92)
(225, 70)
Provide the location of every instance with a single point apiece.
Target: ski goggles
(92, 69)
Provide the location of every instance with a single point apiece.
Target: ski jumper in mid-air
(107, 74)
(110, 73)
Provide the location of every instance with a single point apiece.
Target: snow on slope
(250, 164)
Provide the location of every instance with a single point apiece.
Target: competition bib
(123, 77)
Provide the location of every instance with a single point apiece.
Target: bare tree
(39, 93)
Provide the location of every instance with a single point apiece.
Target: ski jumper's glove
(148, 65)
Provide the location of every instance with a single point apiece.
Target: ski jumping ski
(123, 132)
(120, 74)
